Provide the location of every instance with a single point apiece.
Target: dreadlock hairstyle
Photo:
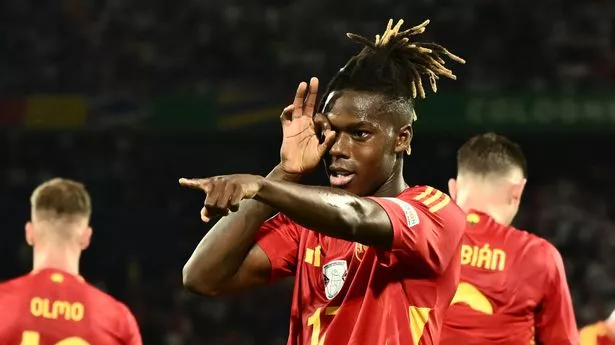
(394, 65)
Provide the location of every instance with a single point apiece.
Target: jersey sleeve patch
(412, 218)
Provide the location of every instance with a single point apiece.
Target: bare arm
(227, 258)
(330, 211)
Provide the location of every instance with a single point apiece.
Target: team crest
(334, 274)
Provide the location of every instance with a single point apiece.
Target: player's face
(366, 149)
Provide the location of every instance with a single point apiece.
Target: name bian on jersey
(56, 309)
(483, 257)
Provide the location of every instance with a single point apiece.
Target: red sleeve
(555, 322)
(130, 334)
(427, 228)
(279, 238)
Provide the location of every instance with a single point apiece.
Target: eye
(361, 134)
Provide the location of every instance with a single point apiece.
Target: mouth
(340, 178)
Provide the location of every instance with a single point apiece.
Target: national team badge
(334, 274)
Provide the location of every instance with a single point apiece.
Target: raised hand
(224, 193)
(301, 149)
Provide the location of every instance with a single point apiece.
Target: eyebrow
(355, 125)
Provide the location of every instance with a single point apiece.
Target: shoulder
(101, 296)
(15, 283)
(424, 205)
(115, 310)
(433, 202)
(428, 197)
(103, 301)
(538, 253)
(536, 245)
(526, 241)
(417, 193)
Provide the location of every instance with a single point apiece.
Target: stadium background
(129, 96)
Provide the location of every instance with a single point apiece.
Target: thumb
(329, 139)
(287, 113)
(205, 215)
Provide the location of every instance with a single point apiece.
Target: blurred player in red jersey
(599, 333)
(53, 305)
(513, 287)
(375, 262)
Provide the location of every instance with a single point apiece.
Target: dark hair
(490, 153)
(393, 65)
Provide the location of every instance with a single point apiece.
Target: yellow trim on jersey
(418, 320)
(429, 196)
(437, 207)
(590, 333)
(425, 193)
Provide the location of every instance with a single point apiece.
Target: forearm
(224, 248)
(329, 211)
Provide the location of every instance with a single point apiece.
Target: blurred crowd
(146, 226)
(139, 48)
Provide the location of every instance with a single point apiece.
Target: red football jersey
(513, 290)
(348, 294)
(595, 334)
(51, 307)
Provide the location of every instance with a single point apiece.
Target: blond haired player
(53, 305)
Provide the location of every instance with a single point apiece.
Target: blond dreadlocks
(394, 65)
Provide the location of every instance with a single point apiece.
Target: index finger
(195, 183)
(310, 104)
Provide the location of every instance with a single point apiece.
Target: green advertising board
(510, 112)
(447, 112)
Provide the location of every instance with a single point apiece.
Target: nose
(341, 146)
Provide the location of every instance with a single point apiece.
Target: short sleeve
(132, 335)
(427, 228)
(279, 239)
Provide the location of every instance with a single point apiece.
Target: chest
(328, 267)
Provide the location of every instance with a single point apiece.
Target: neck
(65, 259)
(483, 202)
(492, 212)
(394, 185)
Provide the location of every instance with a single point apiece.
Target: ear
(404, 137)
(516, 191)
(86, 237)
(452, 188)
(29, 233)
